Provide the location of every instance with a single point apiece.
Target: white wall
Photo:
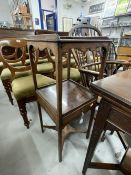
(48, 4)
(73, 12)
(34, 7)
(76, 9)
(59, 13)
(5, 12)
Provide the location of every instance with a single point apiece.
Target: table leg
(103, 113)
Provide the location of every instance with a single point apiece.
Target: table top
(62, 39)
(116, 87)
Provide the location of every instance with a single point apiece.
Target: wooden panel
(124, 53)
(17, 33)
(120, 119)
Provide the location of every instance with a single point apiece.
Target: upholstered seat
(45, 60)
(72, 61)
(45, 67)
(74, 74)
(13, 64)
(6, 74)
(24, 86)
(42, 68)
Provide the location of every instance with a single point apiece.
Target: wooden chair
(44, 66)
(65, 100)
(47, 69)
(124, 53)
(21, 79)
(84, 30)
(123, 56)
(121, 61)
(6, 74)
(89, 64)
(113, 64)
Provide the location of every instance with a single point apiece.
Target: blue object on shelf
(36, 21)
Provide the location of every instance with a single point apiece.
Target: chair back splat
(17, 50)
(84, 30)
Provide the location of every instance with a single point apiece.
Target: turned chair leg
(7, 87)
(23, 112)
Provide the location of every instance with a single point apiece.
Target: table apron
(120, 119)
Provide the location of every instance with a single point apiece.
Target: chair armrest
(91, 64)
(89, 71)
(116, 62)
(120, 62)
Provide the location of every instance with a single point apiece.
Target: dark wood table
(114, 109)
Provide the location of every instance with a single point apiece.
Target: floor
(29, 152)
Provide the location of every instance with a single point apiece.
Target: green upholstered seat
(72, 61)
(24, 87)
(41, 60)
(14, 64)
(74, 74)
(45, 68)
(42, 68)
(6, 74)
